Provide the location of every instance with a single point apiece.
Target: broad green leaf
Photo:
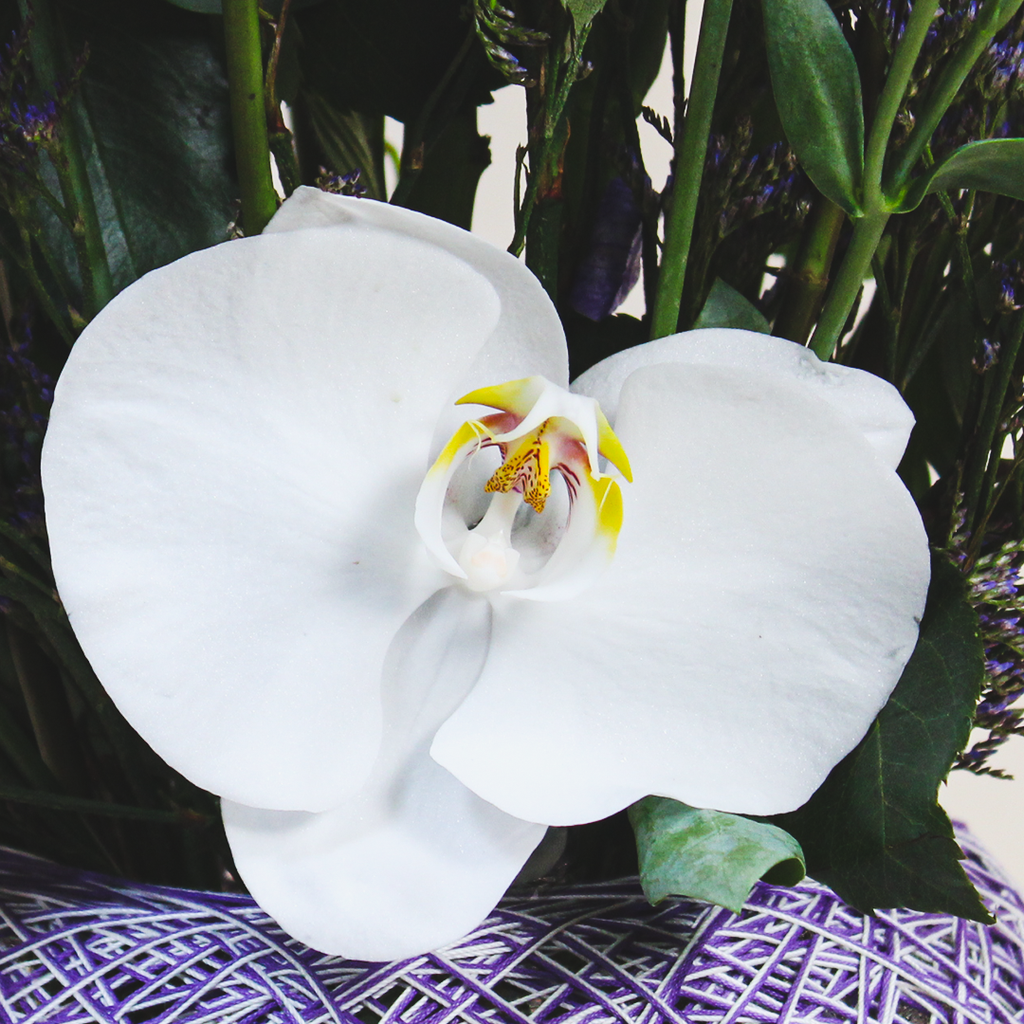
(156, 132)
(874, 830)
(583, 11)
(992, 165)
(709, 855)
(817, 92)
(726, 307)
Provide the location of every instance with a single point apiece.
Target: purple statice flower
(25, 124)
(36, 123)
(342, 184)
(1011, 285)
(996, 590)
(745, 185)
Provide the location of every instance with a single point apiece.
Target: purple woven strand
(77, 948)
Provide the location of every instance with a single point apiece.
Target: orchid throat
(520, 545)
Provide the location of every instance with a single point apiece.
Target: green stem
(270, 83)
(70, 164)
(867, 233)
(907, 50)
(992, 17)
(691, 148)
(279, 138)
(248, 116)
(979, 479)
(810, 276)
(548, 138)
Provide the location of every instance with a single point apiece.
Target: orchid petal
(764, 599)
(527, 340)
(872, 403)
(230, 472)
(587, 545)
(414, 861)
(430, 501)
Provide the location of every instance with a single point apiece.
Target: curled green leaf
(992, 165)
(709, 855)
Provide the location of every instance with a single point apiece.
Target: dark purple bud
(611, 266)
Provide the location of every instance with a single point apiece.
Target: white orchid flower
(318, 593)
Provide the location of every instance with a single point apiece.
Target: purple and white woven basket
(78, 947)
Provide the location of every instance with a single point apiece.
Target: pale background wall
(994, 809)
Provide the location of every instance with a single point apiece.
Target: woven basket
(80, 947)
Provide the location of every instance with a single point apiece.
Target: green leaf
(156, 131)
(817, 92)
(874, 831)
(709, 855)
(726, 307)
(992, 165)
(583, 11)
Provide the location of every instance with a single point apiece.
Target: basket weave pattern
(77, 947)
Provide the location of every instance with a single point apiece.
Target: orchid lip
(540, 431)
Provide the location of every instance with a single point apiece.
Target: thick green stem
(539, 219)
(867, 233)
(921, 16)
(69, 162)
(992, 17)
(248, 116)
(691, 148)
(810, 275)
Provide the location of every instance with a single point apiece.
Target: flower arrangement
(382, 570)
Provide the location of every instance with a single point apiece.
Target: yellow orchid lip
(539, 429)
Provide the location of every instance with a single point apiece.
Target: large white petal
(417, 860)
(230, 474)
(527, 340)
(760, 608)
(872, 403)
